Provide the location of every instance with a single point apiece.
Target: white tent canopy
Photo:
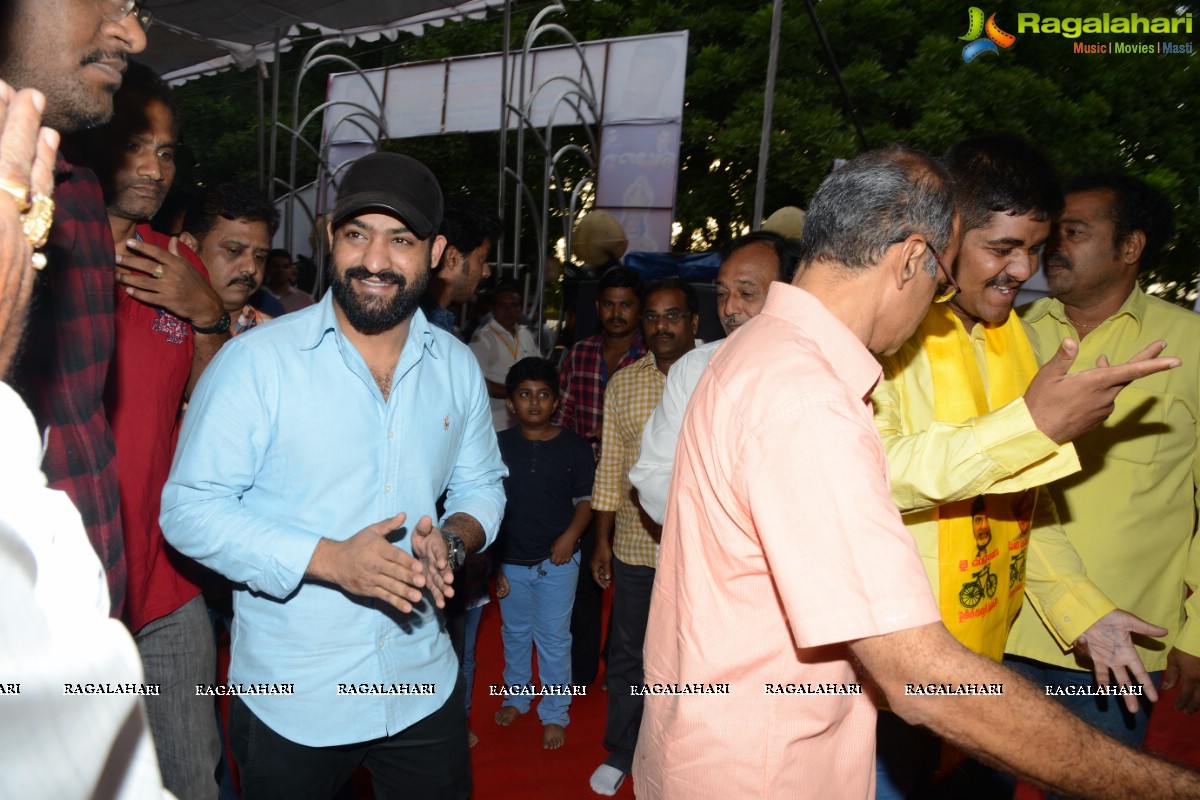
(191, 38)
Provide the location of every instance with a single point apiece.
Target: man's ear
(436, 248)
(1130, 250)
(511, 408)
(910, 261)
(189, 240)
(450, 257)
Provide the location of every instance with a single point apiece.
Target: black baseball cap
(394, 182)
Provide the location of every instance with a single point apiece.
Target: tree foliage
(902, 66)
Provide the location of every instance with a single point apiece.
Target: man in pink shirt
(783, 559)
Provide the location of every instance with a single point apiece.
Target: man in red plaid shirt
(584, 376)
(75, 52)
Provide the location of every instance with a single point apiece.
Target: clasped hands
(369, 565)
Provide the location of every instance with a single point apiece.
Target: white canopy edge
(243, 56)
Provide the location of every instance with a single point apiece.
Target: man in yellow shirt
(972, 427)
(1131, 513)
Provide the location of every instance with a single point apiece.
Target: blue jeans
(1105, 714)
(178, 652)
(538, 610)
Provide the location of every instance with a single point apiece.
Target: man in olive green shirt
(1131, 512)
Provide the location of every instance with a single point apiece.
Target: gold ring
(37, 220)
(39, 261)
(158, 271)
(19, 193)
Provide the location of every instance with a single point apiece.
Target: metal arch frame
(371, 121)
(577, 97)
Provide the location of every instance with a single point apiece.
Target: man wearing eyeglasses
(973, 427)
(75, 51)
(626, 551)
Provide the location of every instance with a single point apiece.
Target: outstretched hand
(429, 546)
(1063, 405)
(1109, 645)
(369, 565)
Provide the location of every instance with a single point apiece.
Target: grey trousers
(179, 652)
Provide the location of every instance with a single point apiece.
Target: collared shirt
(287, 440)
(438, 316)
(631, 397)
(651, 475)
(781, 544)
(497, 350)
(936, 462)
(582, 381)
(62, 373)
(151, 363)
(1132, 512)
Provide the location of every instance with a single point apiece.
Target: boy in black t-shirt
(548, 489)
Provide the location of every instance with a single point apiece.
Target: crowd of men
(858, 489)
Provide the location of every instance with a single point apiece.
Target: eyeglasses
(673, 316)
(945, 292)
(125, 8)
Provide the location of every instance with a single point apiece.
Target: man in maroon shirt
(169, 322)
(74, 51)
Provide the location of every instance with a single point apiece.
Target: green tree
(903, 70)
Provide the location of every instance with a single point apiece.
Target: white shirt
(497, 350)
(55, 630)
(651, 475)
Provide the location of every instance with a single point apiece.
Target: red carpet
(509, 763)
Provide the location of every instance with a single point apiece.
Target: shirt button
(380, 644)
(387, 489)
(391, 434)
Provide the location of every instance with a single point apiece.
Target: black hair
(622, 278)
(1002, 173)
(466, 226)
(140, 79)
(787, 251)
(233, 201)
(531, 369)
(507, 285)
(665, 284)
(1137, 206)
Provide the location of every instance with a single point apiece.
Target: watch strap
(220, 326)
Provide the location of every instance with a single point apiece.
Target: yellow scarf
(982, 540)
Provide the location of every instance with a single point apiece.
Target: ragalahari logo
(976, 27)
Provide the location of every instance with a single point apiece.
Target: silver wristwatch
(456, 551)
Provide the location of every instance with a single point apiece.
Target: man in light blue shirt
(311, 460)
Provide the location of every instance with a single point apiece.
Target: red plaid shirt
(62, 372)
(581, 385)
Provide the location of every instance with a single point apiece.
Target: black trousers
(585, 616)
(428, 760)
(632, 587)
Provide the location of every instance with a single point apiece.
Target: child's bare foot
(553, 736)
(506, 715)
(472, 739)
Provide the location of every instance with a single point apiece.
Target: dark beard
(375, 316)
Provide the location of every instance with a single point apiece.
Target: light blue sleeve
(226, 433)
(476, 485)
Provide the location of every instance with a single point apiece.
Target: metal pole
(274, 120)
(262, 127)
(504, 73)
(764, 146)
